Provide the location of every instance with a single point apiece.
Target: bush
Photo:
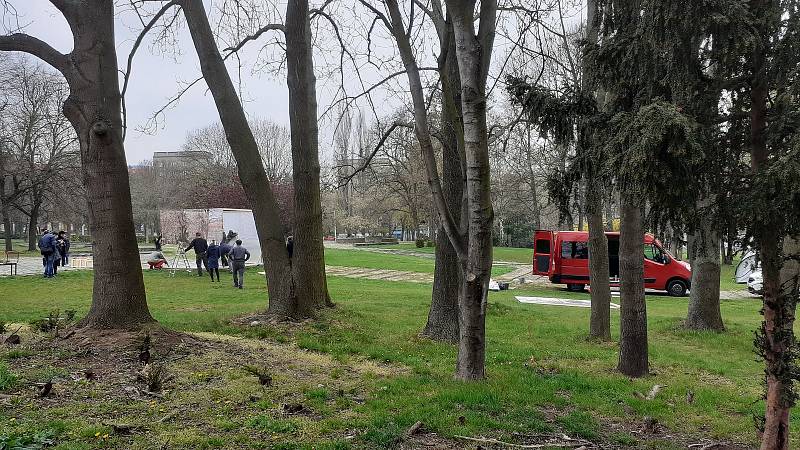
(420, 243)
(430, 244)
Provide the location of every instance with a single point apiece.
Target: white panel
(243, 223)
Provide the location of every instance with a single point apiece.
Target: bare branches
(348, 100)
(135, 47)
(256, 35)
(374, 151)
(21, 42)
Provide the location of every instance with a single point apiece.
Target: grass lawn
(366, 376)
(508, 254)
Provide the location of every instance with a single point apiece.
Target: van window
(654, 254)
(543, 246)
(574, 250)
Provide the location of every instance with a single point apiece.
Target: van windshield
(655, 254)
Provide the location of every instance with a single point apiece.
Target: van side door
(654, 261)
(542, 252)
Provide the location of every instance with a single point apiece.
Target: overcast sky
(155, 79)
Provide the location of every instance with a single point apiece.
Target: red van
(563, 256)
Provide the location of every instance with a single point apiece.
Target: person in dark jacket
(200, 247)
(56, 258)
(212, 255)
(224, 249)
(47, 246)
(159, 240)
(63, 247)
(238, 256)
(290, 246)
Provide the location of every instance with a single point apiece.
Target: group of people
(209, 256)
(55, 251)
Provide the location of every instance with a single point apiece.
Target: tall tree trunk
(704, 310)
(308, 260)
(448, 280)
(283, 301)
(7, 227)
(633, 358)
(529, 160)
(775, 341)
(33, 226)
(473, 53)
(600, 318)
(731, 237)
(93, 109)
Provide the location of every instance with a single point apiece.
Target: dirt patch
(98, 395)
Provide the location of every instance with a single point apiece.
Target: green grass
(542, 374)
(7, 379)
(507, 254)
(375, 260)
(381, 260)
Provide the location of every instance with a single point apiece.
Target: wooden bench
(11, 260)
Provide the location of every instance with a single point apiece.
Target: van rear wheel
(677, 288)
(572, 287)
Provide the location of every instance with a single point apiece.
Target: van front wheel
(575, 287)
(677, 288)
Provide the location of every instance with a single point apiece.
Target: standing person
(200, 247)
(212, 255)
(47, 247)
(238, 256)
(63, 247)
(224, 249)
(158, 242)
(56, 256)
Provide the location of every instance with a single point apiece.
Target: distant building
(179, 163)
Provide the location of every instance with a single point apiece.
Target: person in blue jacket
(213, 254)
(47, 246)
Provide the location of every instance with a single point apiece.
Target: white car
(755, 283)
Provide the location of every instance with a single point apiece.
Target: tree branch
(374, 152)
(253, 37)
(21, 42)
(128, 68)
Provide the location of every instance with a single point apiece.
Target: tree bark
(776, 339)
(6, 227)
(442, 324)
(704, 309)
(33, 226)
(633, 358)
(308, 260)
(473, 53)
(283, 300)
(600, 318)
(93, 109)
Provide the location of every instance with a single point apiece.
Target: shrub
(420, 243)
(430, 244)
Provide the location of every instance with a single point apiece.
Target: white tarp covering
(559, 302)
(746, 267)
(241, 221)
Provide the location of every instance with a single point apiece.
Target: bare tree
(42, 146)
(93, 109)
(283, 298)
(474, 248)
